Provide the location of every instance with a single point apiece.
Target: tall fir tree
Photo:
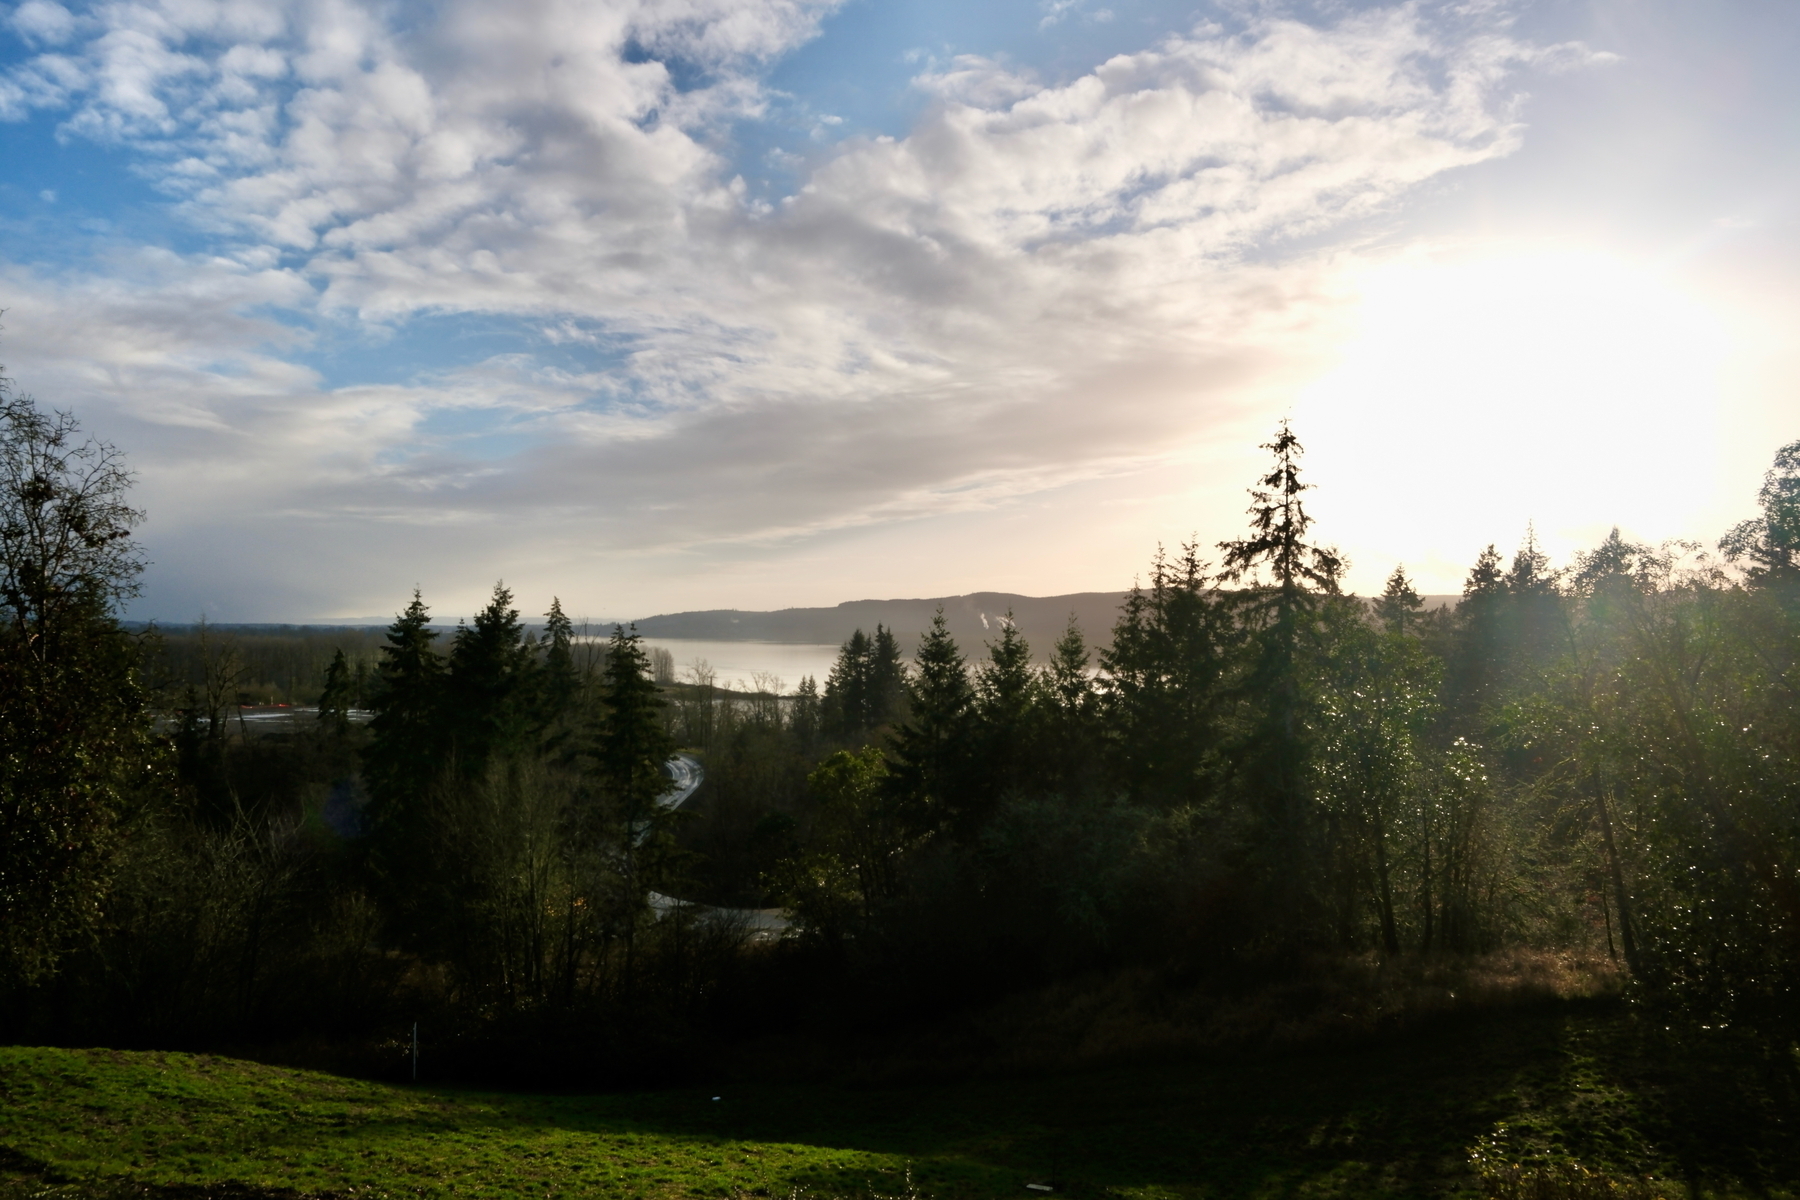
(1069, 732)
(1476, 649)
(846, 703)
(489, 685)
(887, 679)
(803, 716)
(559, 684)
(866, 688)
(406, 747)
(1281, 612)
(931, 748)
(1006, 712)
(1399, 604)
(338, 697)
(1536, 625)
(1164, 696)
(630, 752)
(634, 742)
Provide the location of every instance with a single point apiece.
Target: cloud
(42, 22)
(1039, 284)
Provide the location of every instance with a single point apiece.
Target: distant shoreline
(974, 619)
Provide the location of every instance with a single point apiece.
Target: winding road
(686, 775)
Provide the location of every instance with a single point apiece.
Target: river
(736, 664)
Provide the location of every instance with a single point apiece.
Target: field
(1398, 1117)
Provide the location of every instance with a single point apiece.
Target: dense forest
(1257, 775)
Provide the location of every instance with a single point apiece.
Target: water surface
(736, 664)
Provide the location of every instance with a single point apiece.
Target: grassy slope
(1393, 1119)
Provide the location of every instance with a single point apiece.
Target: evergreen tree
(1071, 685)
(1476, 646)
(560, 682)
(1164, 698)
(846, 702)
(1530, 573)
(634, 741)
(803, 720)
(1281, 612)
(866, 688)
(336, 700)
(406, 747)
(887, 679)
(1508, 628)
(1399, 605)
(1069, 743)
(1535, 627)
(1005, 712)
(931, 748)
(488, 685)
(1614, 563)
(629, 755)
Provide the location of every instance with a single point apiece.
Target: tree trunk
(1425, 844)
(1390, 936)
(1621, 901)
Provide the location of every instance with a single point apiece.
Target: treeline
(1600, 755)
(217, 668)
(1258, 768)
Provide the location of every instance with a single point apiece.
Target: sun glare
(1570, 390)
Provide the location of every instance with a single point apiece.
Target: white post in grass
(415, 1052)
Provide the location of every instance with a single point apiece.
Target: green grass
(1396, 1118)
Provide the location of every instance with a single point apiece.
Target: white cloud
(1039, 284)
(42, 22)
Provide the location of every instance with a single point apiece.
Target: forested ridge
(1258, 777)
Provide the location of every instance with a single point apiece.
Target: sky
(655, 305)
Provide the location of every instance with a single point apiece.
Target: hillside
(973, 619)
(1533, 1088)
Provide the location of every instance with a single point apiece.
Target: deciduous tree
(73, 730)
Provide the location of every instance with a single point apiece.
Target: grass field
(1401, 1117)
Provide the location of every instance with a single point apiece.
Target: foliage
(850, 866)
(1399, 603)
(1164, 702)
(1771, 542)
(931, 751)
(1376, 708)
(1593, 759)
(405, 751)
(73, 729)
(486, 708)
(1274, 750)
(1009, 704)
(866, 689)
(339, 696)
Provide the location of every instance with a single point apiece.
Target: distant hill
(973, 619)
